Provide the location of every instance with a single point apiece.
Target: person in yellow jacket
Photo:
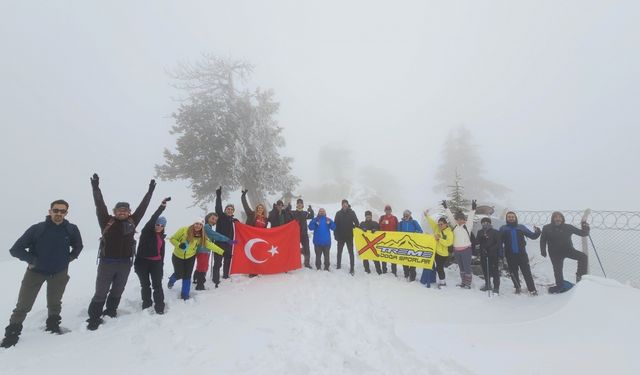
(187, 241)
(444, 239)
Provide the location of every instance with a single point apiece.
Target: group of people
(49, 246)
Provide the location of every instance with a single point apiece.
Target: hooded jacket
(322, 230)
(512, 236)
(345, 221)
(489, 242)
(558, 237)
(446, 237)
(48, 247)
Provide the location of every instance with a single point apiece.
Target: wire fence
(615, 234)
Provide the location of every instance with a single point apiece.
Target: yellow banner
(407, 249)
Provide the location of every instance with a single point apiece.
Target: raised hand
(164, 201)
(95, 181)
(444, 204)
(219, 190)
(244, 192)
(152, 185)
(474, 205)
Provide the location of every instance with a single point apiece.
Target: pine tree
(457, 201)
(227, 135)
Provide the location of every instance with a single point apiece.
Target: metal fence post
(585, 240)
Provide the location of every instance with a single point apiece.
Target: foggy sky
(549, 90)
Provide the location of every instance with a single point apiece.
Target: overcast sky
(549, 90)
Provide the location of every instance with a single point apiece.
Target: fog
(548, 90)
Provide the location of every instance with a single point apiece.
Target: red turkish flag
(262, 251)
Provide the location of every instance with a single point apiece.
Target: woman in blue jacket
(322, 227)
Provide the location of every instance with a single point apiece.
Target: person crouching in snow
(322, 227)
(444, 239)
(512, 236)
(557, 235)
(202, 258)
(187, 242)
(462, 244)
(490, 251)
(150, 260)
(408, 224)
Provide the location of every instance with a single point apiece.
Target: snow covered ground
(317, 322)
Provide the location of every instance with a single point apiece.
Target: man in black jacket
(301, 217)
(117, 249)
(490, 251)
(224, 227)
(369, 225)
(279, 215)
(45, 248)
(557, 235)
(150, 259)
(345, 221)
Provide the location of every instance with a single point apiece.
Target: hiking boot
(11, 335)
(442, 283)
(172, 281)
(533, 293)
(159, 308)
(199, 287)
(216, 285)
(518, 290)
(496, 291)
(93, 324)
(307, 265)
(146, 304)
(484, 288)
(53, 324)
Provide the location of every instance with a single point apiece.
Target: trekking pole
(598, 257)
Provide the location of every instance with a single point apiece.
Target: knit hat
(198, 220)
(122, 205)
(406, 212)
(368, 213)
(229, 205)
(485, 220)
(161, 221)
(387, 207)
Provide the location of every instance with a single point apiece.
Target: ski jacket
(251, 214)
(192, 248)
(345, 221)
(490, 243)
(278, 218)
(48, 247)
(409, 225)
(322, 227)
(558, 238)
(148, 244)
(301, 217)
(512, 237)
(446, 237)
(225, 222)
(461, 234)
(388, 223)
(119, 241)
(372, 226)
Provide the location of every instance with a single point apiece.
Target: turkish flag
(263, 251)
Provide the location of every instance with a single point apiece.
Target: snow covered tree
(227, 134)
(462, 161)
(457, 202)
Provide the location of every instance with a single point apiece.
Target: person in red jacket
(388, 222)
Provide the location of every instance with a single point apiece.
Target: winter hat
(460, 216)
(345, 201)
(161, 221)
(279, 203)
(229, 205)
(198, 220)
(368, 213)
(387, 207)
(485, 220)
(406, 212)
(122, 205)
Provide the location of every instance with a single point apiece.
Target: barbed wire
(616, 220)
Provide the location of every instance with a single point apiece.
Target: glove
(233, 242)
(543, 253)
(164, 201)
(444, 204)
(219, 191)
(244, 192)
(183, 245)
(152, 185)
(474, 205)
(95, 180)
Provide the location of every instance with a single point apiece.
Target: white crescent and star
(247, 250)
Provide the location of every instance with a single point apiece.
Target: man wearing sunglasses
(47, 247)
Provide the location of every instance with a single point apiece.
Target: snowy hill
(317, 322)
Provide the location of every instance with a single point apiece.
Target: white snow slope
(317, 322)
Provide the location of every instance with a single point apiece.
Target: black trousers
(304, 249)
(320, 252)
(376, 263)
(520, 262)
(409, 272)
(490, 270)
(349, 244)
(441, 261)
(557, 260)
(150, 274)
(183, 268)
(218, 261)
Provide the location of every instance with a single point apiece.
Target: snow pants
(463, 257)
(440, 262)
(320, 252)
(349, 244)
(490, 270)
(150, 274)
(557, 260)
(110, 282)
(520, 261)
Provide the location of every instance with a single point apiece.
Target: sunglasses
(59, 211)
